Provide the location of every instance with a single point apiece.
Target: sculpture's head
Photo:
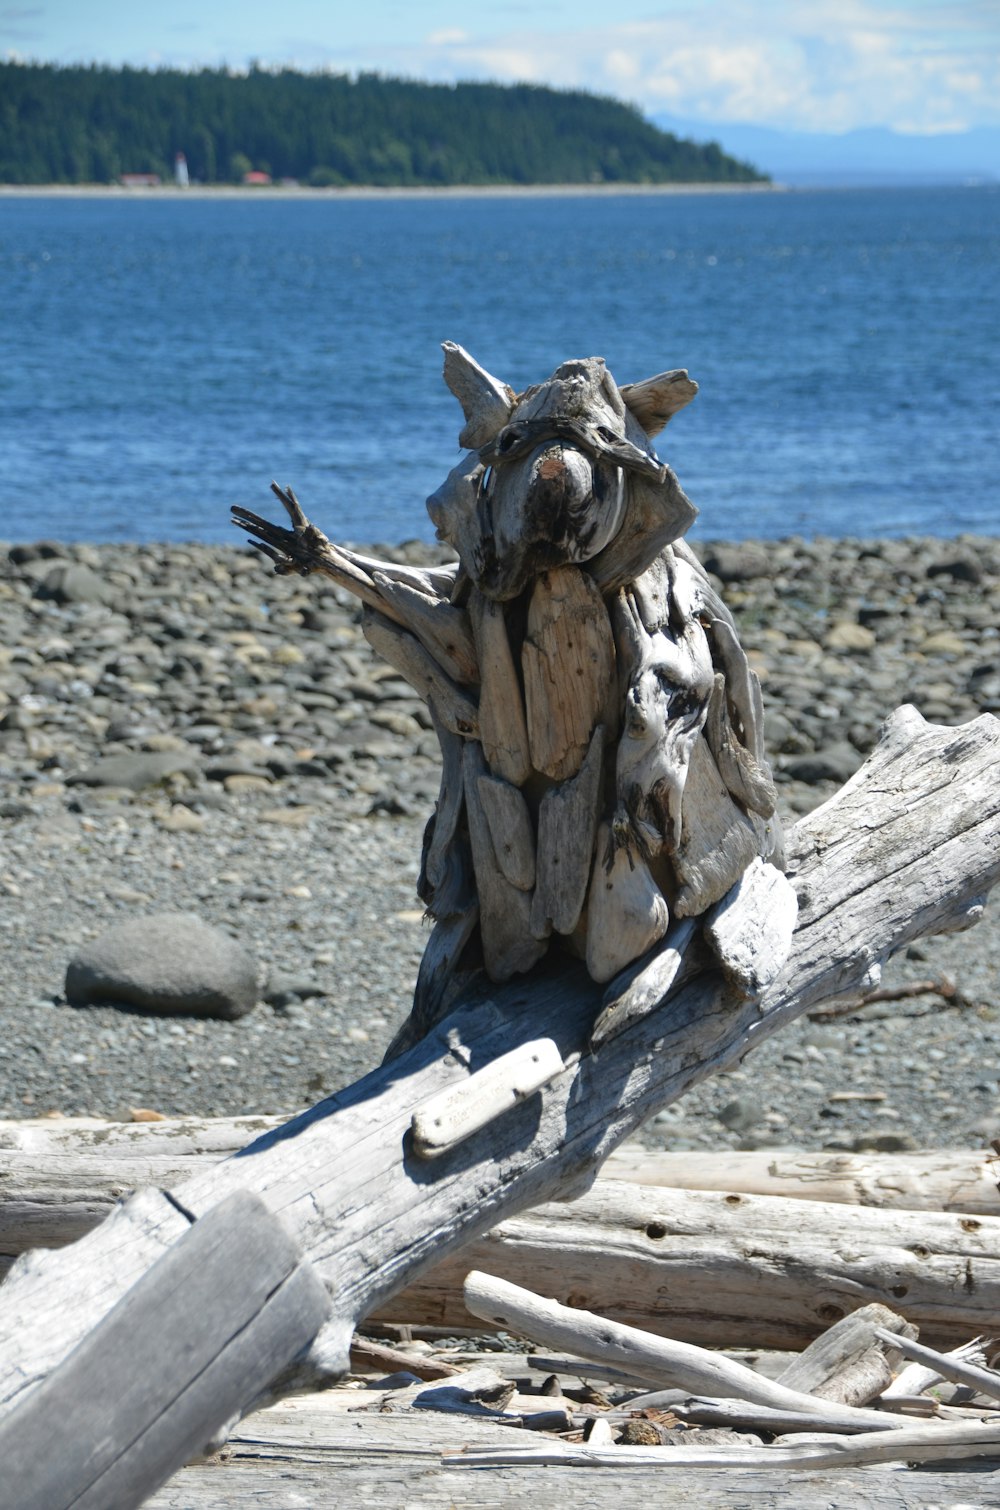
(556, 468)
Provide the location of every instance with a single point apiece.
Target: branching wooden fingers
(282, 546)
(295, 511)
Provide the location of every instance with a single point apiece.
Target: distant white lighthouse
(181, 171)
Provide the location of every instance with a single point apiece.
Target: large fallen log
(728, 1270)
(908, 847)
(742, 1271)
(62, 1177)
(935, 1179)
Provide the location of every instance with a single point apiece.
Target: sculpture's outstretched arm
(305, 550)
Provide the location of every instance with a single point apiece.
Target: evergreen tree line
(93, 124)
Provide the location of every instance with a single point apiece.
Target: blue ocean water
(160, 360)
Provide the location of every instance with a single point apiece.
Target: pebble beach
(182, 731)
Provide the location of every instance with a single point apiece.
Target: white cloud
(828, 65)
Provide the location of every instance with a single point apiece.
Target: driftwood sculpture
(601, 729)
(612, 927)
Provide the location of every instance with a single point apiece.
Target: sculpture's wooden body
(601, 729)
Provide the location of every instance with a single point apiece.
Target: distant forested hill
(91, 125)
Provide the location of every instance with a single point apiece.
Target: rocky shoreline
(180, 730)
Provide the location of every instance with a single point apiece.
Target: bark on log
(372, 1217)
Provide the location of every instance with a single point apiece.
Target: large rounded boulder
(170, 963)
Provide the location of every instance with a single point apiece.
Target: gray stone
(135, 771)
(283, 989)
(837, 762)
(738, 563)
(170, 963)
(70, 582)
(741, 1114)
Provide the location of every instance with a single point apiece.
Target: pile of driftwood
(897, 1245)
(613, 925)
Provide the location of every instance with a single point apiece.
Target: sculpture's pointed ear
(486, 403)
(657, 398)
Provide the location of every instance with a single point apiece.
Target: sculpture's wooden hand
(299, 549)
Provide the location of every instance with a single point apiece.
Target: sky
(915, 66)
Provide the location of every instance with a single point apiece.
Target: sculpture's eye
(685, 705)
(608, 436)
(508, 439)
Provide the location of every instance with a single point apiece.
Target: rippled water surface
(163, 359)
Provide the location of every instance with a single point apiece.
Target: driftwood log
(371, 1217)
(63, 1176)
(699, 1258)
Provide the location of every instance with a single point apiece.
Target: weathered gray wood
(486, 402)
(445, 885)
(509, 947)
(453, 707)
(341, 1176)
(934, 1180)
(567, 830)
(957, 1441)
(718, 840)
(510, 829)
(657, 399)
(567, 660)
(558, 490)
(917, 1377)
(441, 628)
(63, 1176)
(502, 725)
(454, 511)
(436, 976)
(627, 912)
(181, 1354)
(749, 782)
(662, 1360)
(306, 1452)
(696, 1412)
(452, 1116)
(986, 1381)
(850, 1363)
(632, 993)
(670, 680)
(750, 929)
(657, 513)
(727, 1270)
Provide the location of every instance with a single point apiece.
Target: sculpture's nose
(561, 479)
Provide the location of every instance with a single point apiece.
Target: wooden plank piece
(568, 662)
(503, 727)
(504, 911)
(567, 829)
(441, 628)
(455, 708)
(718, 840)
(750, 930)
(849, 1363)
(510, 829)
(626, 911)
(183, 1351)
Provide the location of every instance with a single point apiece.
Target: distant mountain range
(872, 156)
